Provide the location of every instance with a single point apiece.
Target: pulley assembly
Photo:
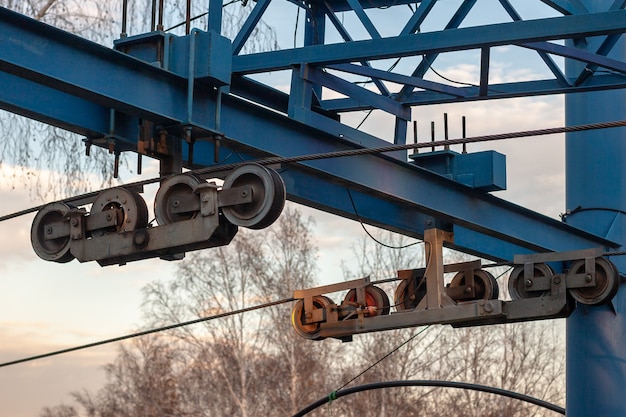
(191, 214)
(470, 298)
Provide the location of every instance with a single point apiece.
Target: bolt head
(74, 222)
(588, 278)
(529, 283)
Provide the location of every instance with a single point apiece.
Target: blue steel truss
(202, 87)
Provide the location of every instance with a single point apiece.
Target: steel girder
(58, 78)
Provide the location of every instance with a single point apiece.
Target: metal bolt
(557, 280)
(244, 193)
(109, 217)
(205, 197)
(488, 308)
(176, 203)
(74, 222)
(140, 239)
(308, 316)
(49, 230)
(468, 290)
(588, 278)
(529, 283)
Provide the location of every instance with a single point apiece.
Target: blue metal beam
(512, 33)
(108, 79)
(497, 91)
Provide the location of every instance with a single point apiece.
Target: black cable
(147, 332)
(358, 152)
(369, 234)
(430, 383)
(391, 352)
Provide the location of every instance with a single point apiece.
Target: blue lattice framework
(153, 84)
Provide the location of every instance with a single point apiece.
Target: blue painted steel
(249, 25)
(142, 90)
(485, 171)
(596, 183)
(358, 93)
(496, 91)
(566, 27)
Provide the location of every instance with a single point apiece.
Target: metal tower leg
(596, 195)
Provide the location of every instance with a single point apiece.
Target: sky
(46, 306)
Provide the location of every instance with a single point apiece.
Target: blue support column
(596, 183)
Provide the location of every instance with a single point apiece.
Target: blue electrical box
(485, 171)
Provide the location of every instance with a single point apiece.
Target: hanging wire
(147, 332)
(369, 234)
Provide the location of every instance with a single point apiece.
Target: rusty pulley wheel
(49, 233)
(127, 208)
(376, 300)
(409, 293)
(309, 331)
(268, 196)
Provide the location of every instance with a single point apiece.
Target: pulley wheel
(127, 206)
(374, 297)
(308, 331)
(268, 196)
(58, 249)
(170, 196)
(607, 283)
(485, 285)
(519, 288)
(406, 298)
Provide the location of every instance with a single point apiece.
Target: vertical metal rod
(160, 24)
(445, 130)
(464, 133)
(188, 18)
(124, 18)
(153, 20)
(415, 150)
(191, 75)
(116, 167)
(595, 165)
(217, 139)
(432, 134)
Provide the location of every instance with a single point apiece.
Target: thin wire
(356, 152)
(369, 234)
(384, 357)
(201, 15)
(147, 332)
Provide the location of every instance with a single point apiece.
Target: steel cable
(355, 152)
(147, 332)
